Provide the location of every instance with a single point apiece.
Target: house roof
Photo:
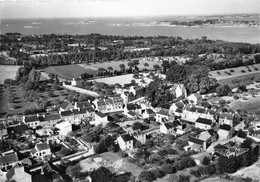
(169, 125)
(150, 111)
(127, 137)
(204, 135)
(66, 113)
(100, 114)
(52, 117)
(226, 115)
(12, 171)
(197, 109)
(164, 112)
(18, 128)
(42, 146)
(33, 118)
(196, 140)
(179, 110)
(197, 95)
(10, 158)
(2, 125)
(211, 132)
(90, 109)
(179, 104)
(204, 121)
(65, 104)
(225, 127)
(84, 104)
(177, 123)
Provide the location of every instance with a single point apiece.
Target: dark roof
(18, 128)
(31, 118)
(179, 110)
(42, 146)
(197, 109)
(132, 113)
(66, 113)
(211, 132)
(150, 111)
(226, 115)
(84, 104)
(179, 104)
(196, 140)
(169, 125)
(65, 104)
(204, 121)
(211, 112)
(127, 137)
(10, 158)
(52, 117)
(177, 123)
(164, 112)
(2, 125)
(81, 111)
(100, 114)
(225, 127)
(90, 109)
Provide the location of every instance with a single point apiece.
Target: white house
(176, 105)
(3, 130)
(65, 127)
(226, 118)
(100, 118)
(49, 120)
(204, 124)
(180, 91)
(113, 104)
(31, 121)
(196, 144)
(126, 142)
(167, 128)
(193, 113)
(225, 132)
(195, 98)
(44, 132)
(148, 113)
(41, 150)
(162, 115)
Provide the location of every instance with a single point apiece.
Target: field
(227, 75)
(7, 72)
(115, 64)
(69, 71)
(252, 104)
(74, 71)
(122, 79)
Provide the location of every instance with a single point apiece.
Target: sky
(122, 8)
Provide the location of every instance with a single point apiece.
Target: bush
(256, 69)
(218, 73)
(243, 71)
(235, 97)
(249, 70)
(232, 71)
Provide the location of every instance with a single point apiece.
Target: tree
(176, 74)
(122, 67)
(102, 174)
(206, 161)
(156, 67)
(74, 171)
(165, 66)
(223, 90)
(146, 176)
(110, 69)
(146, 65)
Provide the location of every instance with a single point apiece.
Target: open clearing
(7, 72)
(74, 71)
(252, 104)
(122, 79)
(237, 74)
(69, 71)
(115, 64)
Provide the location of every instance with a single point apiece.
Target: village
(125, 134)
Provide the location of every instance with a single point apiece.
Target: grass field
(122, 79)
(226, 75)
(74, 71)
(115, 64)
(69, 71)
(251, 105)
